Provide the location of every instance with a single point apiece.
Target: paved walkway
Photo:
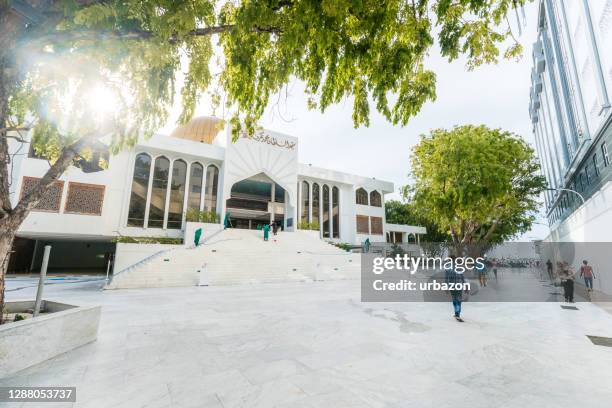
(317, 345)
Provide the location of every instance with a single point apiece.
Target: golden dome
(201, 129)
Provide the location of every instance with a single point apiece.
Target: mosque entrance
(256, 201)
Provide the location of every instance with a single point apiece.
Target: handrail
(159, 253)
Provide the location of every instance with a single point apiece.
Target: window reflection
(157, 205)
(315, 203)
(195, 186)
(335, 212)
(361, 196)
(305, 202)
(177, 194)
(140, 187)
(375, 199)
(210, 196)
(325, 211)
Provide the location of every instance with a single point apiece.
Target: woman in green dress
(266, 230)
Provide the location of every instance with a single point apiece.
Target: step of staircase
(242, 257)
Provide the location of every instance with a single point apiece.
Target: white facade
(571, 115)
(267, 158)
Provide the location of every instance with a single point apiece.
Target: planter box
(61, 328)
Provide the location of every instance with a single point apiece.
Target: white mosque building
(153, 189)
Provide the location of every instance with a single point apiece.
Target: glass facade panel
(325, 211)
(305, 202)
(177, 194)
(361, 196)
(157, 206)
(210, 196)
(336, 212)
(375, 199)
(140, 188)
(195, 186)
(316, 203)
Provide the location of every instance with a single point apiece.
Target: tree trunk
(6, 242)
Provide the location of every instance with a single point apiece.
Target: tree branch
(82, 35)
(29, 201)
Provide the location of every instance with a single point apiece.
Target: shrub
(195, 215)
(343, 245)
(312, 226)
(148, 240)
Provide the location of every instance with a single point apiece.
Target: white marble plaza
(317, 345)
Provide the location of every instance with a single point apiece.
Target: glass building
(571, 83)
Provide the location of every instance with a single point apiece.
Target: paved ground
(317, 345)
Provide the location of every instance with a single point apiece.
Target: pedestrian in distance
(586, 272)
(266, 231)
(567, 276)
(274, 228)
(453, 276)
(494, 265)
(549, 268)
(481, 271)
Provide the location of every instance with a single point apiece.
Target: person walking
(549, 268)
(197, 236)
(454, 277)
(494, 265)
(481, 270)
(586, 272)
(266, 231)
(274, 228)
(567, 279)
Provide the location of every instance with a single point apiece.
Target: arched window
(210, 196)
(140, 188)
(177, 194)
(325, 211)
(336, 212)
(195, 186)
(316, 204)
(361, 196)
(305, 201)
(375, 199)
(157, 205)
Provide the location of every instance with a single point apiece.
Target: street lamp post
(570, 190)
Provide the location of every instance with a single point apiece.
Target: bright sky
(495, 95)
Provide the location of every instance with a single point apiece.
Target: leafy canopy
(477, 184)
(372, 51)
(406, 213)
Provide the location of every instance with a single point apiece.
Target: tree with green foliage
(479, 185)
(58, 56)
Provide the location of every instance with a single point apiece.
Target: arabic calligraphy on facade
(260, 136)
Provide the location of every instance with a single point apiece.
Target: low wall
(32, 341)
(127, 255)
(208, 229)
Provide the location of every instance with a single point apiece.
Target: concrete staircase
(236, 256)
